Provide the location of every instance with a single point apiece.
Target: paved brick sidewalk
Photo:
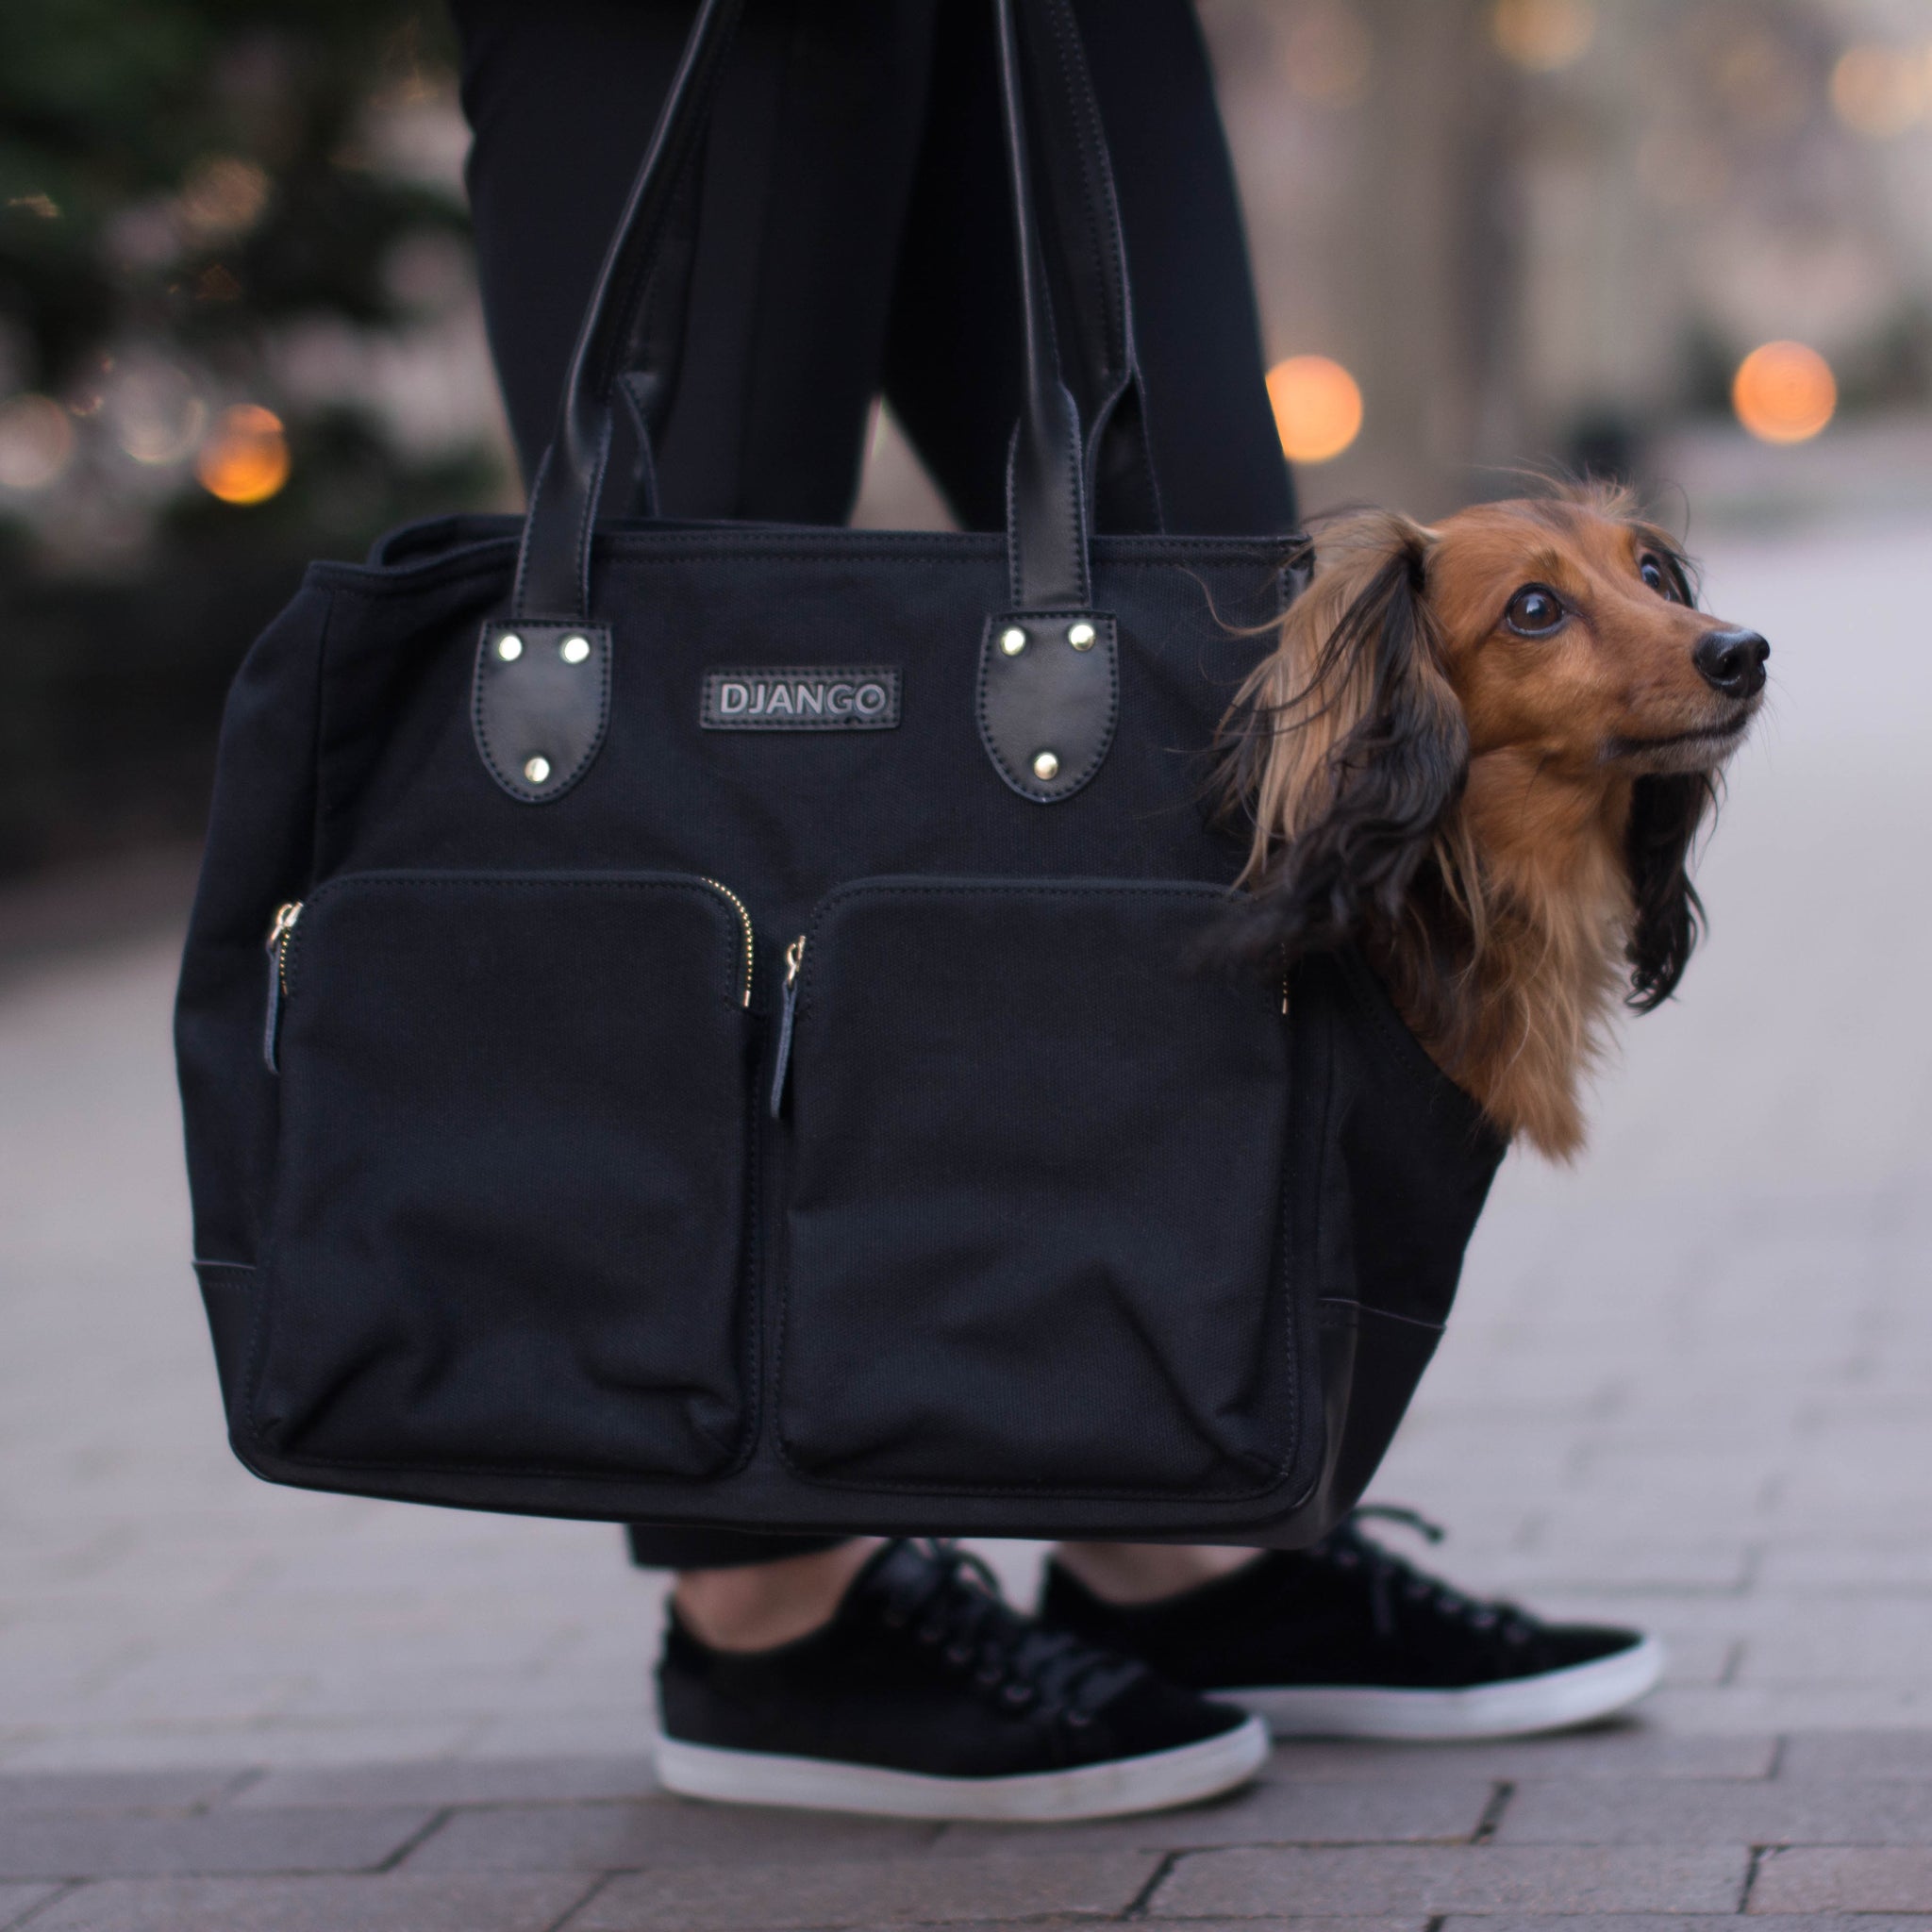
(1686, 1388)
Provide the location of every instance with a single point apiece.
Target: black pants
(853, 240)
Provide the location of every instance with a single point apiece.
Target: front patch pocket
(1036, 1223)
(512, 1193)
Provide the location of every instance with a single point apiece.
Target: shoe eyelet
(1018, 1696)
(1079, 1720)
(958, 1654)
(1346, 1559)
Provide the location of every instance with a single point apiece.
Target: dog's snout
(1732, 661)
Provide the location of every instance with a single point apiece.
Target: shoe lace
(1392, 1580)
(957, 1609)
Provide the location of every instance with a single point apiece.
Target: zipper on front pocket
(276, 947)
(794, 961)
(744, 926)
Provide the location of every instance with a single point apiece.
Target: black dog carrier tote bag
(705, 1023)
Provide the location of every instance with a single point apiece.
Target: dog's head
(1536, 651)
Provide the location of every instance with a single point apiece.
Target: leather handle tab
(554, 570)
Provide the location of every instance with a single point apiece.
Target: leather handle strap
(553, 568)
(1089, 249)
(1047, 519)
(632, 333)
(1089, 289)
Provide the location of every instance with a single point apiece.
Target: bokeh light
(1543, 35)
(1327, 55)
(1318, 407)
(36, 442)
(222, 196)
(245, 458)
(1881, 91)
(1783, 392)
(155, 413)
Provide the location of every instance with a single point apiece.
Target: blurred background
(1686, 240)
(1690, 240)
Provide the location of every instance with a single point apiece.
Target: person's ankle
(1132, 1573)
(760, 1605)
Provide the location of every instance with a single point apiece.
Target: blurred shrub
(220, 220)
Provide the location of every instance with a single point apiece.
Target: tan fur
(1510, 966)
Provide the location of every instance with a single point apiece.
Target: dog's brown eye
(1534, 611)
(1659, 578)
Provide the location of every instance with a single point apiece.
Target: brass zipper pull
(277, 946)
(794, 961)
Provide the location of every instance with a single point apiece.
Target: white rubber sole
(1152, 1783)
(1556, 1700)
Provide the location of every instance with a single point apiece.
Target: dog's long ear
(1348, 744)
(1667, 812)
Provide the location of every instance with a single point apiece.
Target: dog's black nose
(1732, 661)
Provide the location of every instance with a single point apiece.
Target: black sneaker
(926, 1696)
(1343, 1640)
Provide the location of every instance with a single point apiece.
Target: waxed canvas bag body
(706, 1024)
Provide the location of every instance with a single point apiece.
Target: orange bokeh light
(1783, 392)
(245, 458)
(1318, 407)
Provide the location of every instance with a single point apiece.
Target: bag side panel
(1406, 1161)
(258, 854)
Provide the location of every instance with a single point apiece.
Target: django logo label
(802, 697)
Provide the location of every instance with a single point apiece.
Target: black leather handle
(1047, 522)
(1089, 250)
(632, 329)
(553, 568)
(1087, 267)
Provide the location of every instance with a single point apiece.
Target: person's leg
(807, 170)
(760, 1605)
(952, 359)
(858, 1675)
(1344, 1637)
(953, 363)
(789, 300)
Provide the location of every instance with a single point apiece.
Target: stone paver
(53, 1845)
(1600, 1812)
(1844, 1878)
(722, 1898)
(605, 1838)
(1622, 1751)
(394, 1903)
(120, 1790)
(1685, 1388)
(454, 1781)
(1465, 1878)
(18, 1901)
(1672, 1922)
(1445, 1808)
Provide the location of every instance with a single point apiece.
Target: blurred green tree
(191, 192)
(192, 167)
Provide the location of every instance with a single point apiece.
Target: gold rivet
(575, 650)
(1046, 766)
(509, 649)
(537, 771)
(1013, 642)
(1081, 637)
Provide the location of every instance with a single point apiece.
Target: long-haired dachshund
(1483, 751)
